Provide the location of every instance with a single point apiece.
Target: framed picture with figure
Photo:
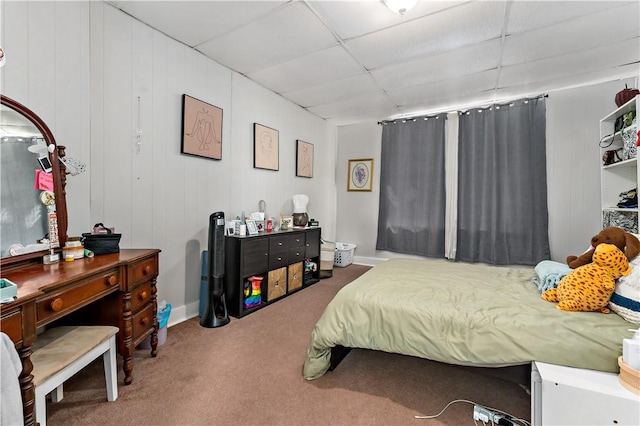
(201, 129)
(304, 159)
(265, 147)
(360, 175)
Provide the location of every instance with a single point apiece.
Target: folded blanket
(549, 274)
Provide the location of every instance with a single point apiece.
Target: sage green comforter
(465, 314)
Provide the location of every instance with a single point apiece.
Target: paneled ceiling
(356, 61)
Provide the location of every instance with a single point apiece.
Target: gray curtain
(411, 216)
(502, 185)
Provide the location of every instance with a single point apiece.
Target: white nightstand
(573, 396)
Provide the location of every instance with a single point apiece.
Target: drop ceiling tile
(528, 15)
(575, 80)
(333, 91)
(194, 22)
(571, 64)
(570, 37)
(441, 91)
(287, 33)
(355, 18)
(455, 102)
(464, 25)
(306, 71)
(376, 103)
(454, 63)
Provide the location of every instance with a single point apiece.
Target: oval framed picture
(360, 175)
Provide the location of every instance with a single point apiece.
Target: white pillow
(625, 300)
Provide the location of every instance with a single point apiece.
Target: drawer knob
(146, 270)
(297, 253)
(142, 296)
(56, 304)
(279, 259)
(279, 243)
(144, 321)
(112, 280)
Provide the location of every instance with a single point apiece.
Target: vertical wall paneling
(15, 42)
(99, 148)
(155, 141)
(117, 122)
(141, 100)
(174, 257)
(2, 44)
(72, 101)
(41, 61)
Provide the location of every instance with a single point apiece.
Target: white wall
(95, 76)
(573, 174)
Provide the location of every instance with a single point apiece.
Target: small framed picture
(252, 229)
(360, 175)
(304, 159)
(265, 147)
(230, 227)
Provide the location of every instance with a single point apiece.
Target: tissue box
(8, 290)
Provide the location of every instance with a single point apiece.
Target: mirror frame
(59, 182)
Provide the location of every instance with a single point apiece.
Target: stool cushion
(59, 347)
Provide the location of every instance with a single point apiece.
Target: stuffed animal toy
(589, 287)
(625, 241)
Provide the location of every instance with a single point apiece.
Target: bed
(465, 314)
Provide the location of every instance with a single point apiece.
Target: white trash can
(327, 250)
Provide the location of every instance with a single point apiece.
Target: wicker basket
(343, 255)
(629, 377)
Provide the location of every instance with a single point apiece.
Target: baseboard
(368, 261)
(183, 313)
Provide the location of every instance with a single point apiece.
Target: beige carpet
(249, 372)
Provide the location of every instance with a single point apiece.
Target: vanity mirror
(27, 146)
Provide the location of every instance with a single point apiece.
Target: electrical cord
(445, 408)
(508, 420)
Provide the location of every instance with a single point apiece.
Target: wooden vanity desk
(113, 289)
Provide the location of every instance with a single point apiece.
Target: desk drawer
(140, 296)
(76, 296)
(142, 322)
(12, 324)
(278, 260)
(278, 243)
(297, 240)
(144, 271)
(296, 254)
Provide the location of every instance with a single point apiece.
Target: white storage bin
(343, 255)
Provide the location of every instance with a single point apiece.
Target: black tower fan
(215, 314)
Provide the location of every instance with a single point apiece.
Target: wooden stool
(61, 352)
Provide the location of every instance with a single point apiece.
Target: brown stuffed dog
(625, 241)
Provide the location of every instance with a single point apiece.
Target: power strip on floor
(487, 416)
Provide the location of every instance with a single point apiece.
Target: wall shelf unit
(623, 175)
(262, 269)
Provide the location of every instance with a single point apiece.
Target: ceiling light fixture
(400, 6)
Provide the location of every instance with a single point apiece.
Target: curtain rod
(461, 111)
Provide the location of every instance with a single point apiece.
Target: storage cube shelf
(262, 269)
(623, 175)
